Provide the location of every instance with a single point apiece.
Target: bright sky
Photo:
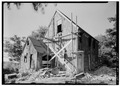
(92, 17)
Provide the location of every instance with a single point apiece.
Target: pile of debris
(103, 75)
(41, 74)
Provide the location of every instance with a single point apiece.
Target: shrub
(9, 68)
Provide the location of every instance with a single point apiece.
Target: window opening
(59, 26)
(25, 58)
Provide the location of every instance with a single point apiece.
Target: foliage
(35, 5)
(10, 67)
(107, 45)
(111, 34)
(23, 39)
(39, 33)
(14, 46)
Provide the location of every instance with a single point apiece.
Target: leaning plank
(59, 57)
(61, 50)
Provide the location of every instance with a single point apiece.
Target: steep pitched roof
(62, 14)
(40, 46)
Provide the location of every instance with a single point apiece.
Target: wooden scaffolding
(71, 68)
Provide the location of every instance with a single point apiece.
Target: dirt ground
(103, 75)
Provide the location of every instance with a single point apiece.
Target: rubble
(54, 75)
(41, 74)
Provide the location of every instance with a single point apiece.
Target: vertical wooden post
(77, 47)
(47, 49)
(77, 33)
(83, 62)
(72, 33)
(53, 44)
(53, 33)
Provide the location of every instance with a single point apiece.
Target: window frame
(59, 23)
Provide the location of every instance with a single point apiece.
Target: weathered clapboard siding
(81, 42)
(34, 52)
(86, 42)
(28, 49)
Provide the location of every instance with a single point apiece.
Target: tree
(111, 35)
(111, 39)
(107, 45)
(14, 47)
(36, 6)
(102, 48)
(40, 33)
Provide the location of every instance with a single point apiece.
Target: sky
(92, 17)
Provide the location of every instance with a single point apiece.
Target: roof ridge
(75, 23)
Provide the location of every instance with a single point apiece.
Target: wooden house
(34, 55)
(66, 45)
(81, 52)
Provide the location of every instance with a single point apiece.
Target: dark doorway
(30, 60)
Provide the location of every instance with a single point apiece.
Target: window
(25, 58)
(59, 28)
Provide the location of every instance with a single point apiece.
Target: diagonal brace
(61, 50)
